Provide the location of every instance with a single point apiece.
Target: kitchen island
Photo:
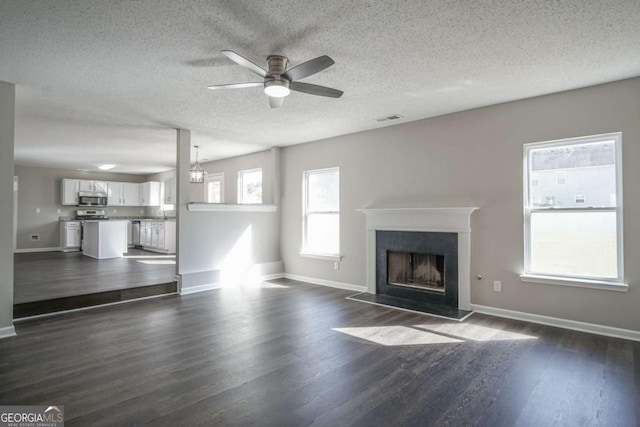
(104, 239)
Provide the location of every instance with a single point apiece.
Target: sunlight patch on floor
(469, 331)
(396, 335)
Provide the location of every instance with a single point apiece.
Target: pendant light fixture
(196, 174)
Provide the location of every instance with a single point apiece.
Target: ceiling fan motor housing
(274, 83)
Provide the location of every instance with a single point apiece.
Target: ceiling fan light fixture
(277, 88)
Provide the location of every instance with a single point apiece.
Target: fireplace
(421, 271)
(418, 266)
(448, 231)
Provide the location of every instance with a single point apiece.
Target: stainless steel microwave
(92, 199)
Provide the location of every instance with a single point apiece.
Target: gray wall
(7, 127)
(41, 188)
(474, 158)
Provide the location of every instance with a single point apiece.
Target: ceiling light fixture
(278, 88)
(196, 172)
(106, 167)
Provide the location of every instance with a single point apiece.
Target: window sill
(578, 283)
(334, 258)
(228, 207)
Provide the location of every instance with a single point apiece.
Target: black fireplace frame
(445, 244)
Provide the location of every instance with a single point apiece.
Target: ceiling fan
(280, 80)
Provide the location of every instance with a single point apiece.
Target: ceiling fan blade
(241, 60)
(315, 89)
(235, 85)
(276, 102)
(308, 68)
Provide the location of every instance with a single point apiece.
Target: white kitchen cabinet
(123, 194)
(145, 233)
(69, 235)
(130, 194)
(114, 194)
(150, 193)
(158, 236)
(100, 186)
(170, 191)
(94, 186)
(69, 192)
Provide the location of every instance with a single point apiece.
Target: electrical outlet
(34, 237)
(114, 211)
(497, 286)
(37, 210)
(141, 211)
(336, 265)
(59, 210)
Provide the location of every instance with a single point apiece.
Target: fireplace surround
(455, 222)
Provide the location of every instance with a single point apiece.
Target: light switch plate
(497, 286)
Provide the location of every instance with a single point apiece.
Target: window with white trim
(250, 186)
(215, 188)
(573, 209)
(321, 212)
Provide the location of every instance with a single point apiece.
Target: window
(573, 216)
(321, 212)
(215, 188)
(250, 186)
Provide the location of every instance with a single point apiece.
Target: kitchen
(90, 232)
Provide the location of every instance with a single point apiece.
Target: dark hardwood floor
(291, 354)
(49, 275)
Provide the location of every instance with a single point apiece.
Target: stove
(91, 214)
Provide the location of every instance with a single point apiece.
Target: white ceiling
(107, 81)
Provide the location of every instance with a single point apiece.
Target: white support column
(183, 162)
(7, 129)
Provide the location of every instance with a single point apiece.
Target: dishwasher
(135, 231)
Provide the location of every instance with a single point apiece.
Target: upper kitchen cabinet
(131, 194)
(123, 194)
(94, 186)
(170, 191)
(70, 188)
(150, 193)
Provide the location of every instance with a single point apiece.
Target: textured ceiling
(106, 81)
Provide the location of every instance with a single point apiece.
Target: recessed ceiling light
(106, 167)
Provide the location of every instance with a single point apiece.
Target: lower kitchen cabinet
(158, 236)
(69, 235)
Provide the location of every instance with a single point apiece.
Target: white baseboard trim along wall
(330, 283)
(558, 322)
(24, 251)
(192, 283)
(8, 331)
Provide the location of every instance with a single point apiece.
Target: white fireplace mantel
(443, 220)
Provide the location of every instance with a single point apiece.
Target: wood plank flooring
(292, 354)
(48, 275)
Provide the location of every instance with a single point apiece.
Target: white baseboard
(29, 250)
(200, 288)
(329, 283)
(272, 276)
(7, 331)
(558, 322)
